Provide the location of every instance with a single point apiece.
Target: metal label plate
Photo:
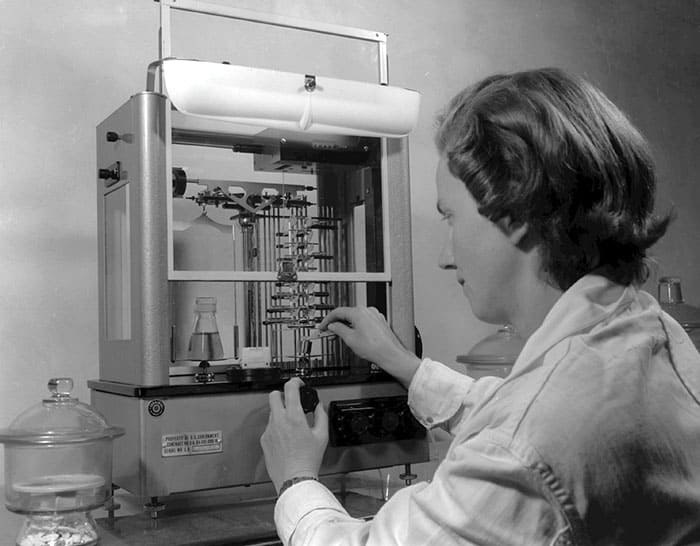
(192, 443)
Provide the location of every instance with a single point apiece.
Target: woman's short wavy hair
(549, 150)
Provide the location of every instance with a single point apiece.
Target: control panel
(371, 420)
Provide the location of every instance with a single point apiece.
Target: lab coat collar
(589, 301)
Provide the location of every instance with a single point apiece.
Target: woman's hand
(366, 332)
(292, 448)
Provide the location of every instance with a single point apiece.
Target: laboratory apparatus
(236, 207)
(670, 295)
(494, 355)
(58, 467)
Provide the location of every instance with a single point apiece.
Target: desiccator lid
(500, 348)
(59, 419)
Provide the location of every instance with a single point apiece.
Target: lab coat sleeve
(441, 396)
(307, 500)
(481, 494)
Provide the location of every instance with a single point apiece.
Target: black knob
(108, 174)
(359, 423)
(179, 182)
(391, 421)
(112, 136)
(309, 398)
(419, 343)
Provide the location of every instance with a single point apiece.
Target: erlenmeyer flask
(205, 342)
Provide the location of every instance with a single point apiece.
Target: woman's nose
(446, 260)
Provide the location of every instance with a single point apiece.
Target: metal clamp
(310, 82)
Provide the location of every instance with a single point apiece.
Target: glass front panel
(269, 232)
(265, 324)
(282, 204)
(117, 264)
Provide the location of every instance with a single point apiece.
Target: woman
(594, 437)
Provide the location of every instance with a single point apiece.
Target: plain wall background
(65, 66)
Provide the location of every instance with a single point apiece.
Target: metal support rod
(196, 6)
(408, 476)
(154, 507)
(383, 59)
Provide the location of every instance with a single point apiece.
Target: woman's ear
(520, 236)
(517, 232)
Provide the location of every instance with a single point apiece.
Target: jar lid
(499, 349)
(59, 419)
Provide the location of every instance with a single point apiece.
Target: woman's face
(483, 256)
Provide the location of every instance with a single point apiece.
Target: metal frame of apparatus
(300, 275)
(139, 270)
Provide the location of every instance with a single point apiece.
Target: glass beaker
(205, 341)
